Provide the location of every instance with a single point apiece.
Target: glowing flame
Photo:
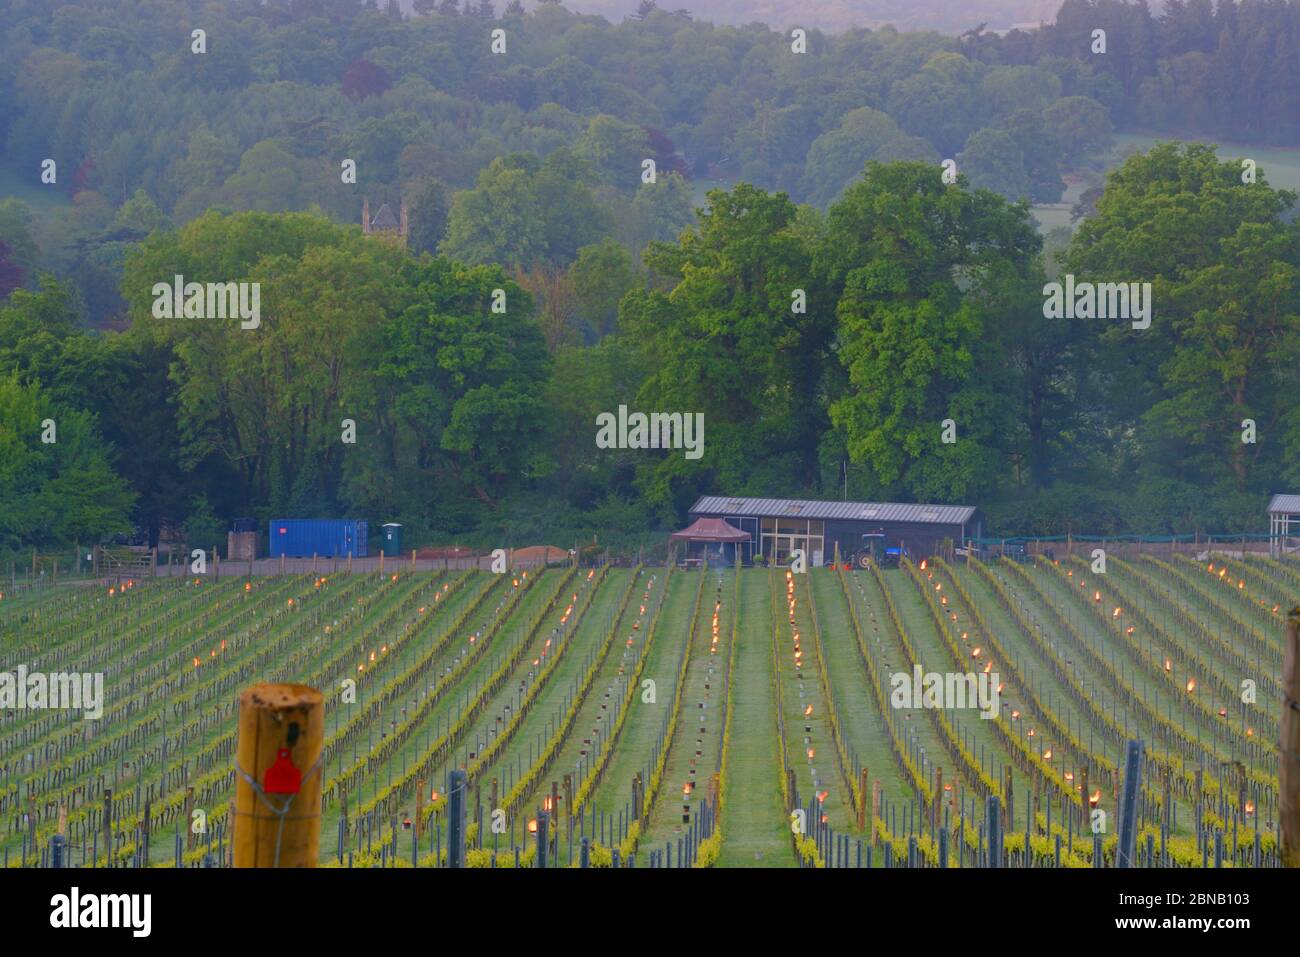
(1191, 685)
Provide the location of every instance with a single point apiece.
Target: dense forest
(944, 16)
(659, 213)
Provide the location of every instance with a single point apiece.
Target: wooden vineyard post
(936, 805)
(419, 809)
(1008, 790)
(281, 736)
(108, 827)
(412, 559)
(1087, 797)
(1289, 744)
(863, 794)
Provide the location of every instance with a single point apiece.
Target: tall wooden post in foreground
(281, 736)
(1289, 743)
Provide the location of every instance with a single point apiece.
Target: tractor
(871, 548)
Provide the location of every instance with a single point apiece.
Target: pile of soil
(538, 555)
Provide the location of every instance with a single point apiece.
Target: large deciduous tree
(910, 257)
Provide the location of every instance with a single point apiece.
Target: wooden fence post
(1289, 744)
(281, 731)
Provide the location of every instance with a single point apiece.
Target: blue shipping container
(326, 537)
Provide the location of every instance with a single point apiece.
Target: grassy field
(730, 699)
(1279, 166)
(26, 185)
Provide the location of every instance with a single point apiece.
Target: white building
(1283, 524)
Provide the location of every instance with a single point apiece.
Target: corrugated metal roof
(861, 511)
(1284, 504)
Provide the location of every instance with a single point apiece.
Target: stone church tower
(384, 225)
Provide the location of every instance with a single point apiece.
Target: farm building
(1283, 524)
(859, 528)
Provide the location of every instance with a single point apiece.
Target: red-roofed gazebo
(713, 535)
(711, 530)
